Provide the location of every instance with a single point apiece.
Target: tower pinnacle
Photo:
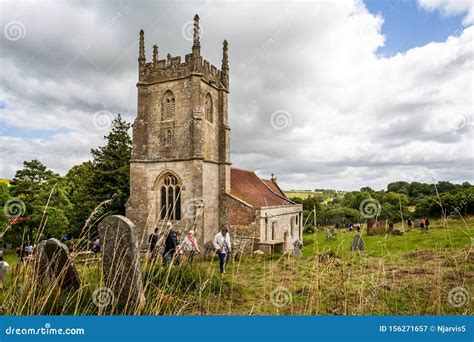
(225, 64)
(141, 49)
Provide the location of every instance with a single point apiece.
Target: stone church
(180, 169)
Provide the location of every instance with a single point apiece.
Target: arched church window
(168, 137)
(170, 198)
(168, 105)
(208, 108)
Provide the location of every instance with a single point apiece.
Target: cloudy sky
(323, 94)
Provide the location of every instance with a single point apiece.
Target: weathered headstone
(329, 234)
(297, 248)
(121, 259)
(357, 243)
(397, 231)
(52, 262)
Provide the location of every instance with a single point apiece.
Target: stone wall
(280, 224)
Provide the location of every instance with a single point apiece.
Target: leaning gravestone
(53, 263)
(357, 243)
(121, 259)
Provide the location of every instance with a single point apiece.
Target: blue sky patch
(406, 25)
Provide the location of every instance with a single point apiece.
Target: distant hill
(326, 193)
(5, 181)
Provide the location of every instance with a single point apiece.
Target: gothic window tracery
(170, 197)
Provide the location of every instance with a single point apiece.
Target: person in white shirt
(190, 245)
(223, 247)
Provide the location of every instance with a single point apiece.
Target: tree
(46, 203)
(399, 187)
(339, 216)
(111, 169)
(77, 185)
(4, 197)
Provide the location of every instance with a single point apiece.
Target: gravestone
(52, 263)
(121, 260)
(397, 231)
(329, 235)
(357, 243)
(297, 248)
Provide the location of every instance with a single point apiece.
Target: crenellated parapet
(161, 70)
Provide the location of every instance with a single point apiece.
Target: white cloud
(356, 119)
(450, 8)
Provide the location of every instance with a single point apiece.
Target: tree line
(401, 200)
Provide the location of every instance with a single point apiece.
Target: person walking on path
(223, 247)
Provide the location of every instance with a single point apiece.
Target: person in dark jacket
(427, 223)
(171, 243)
(152, 242)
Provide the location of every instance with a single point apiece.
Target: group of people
(24, 251)
(422, 223)
(351, 227)
(172, 246)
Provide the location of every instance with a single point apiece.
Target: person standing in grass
(189, 245)
(422, 224)
(152, 242)
(427, 223)
(223, 247)
(171, 243)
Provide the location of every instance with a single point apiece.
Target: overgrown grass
(398, 275)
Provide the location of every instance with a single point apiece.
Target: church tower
(180, 166)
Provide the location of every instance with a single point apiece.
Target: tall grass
(409, 274)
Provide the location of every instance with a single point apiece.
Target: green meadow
(418, 273)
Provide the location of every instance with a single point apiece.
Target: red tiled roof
(248, 187)
(273, 186)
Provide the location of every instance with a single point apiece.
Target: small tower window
(168, 105)
(168, 137)
(208, 108)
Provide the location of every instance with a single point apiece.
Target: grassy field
(301, 194)
(411, 274)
